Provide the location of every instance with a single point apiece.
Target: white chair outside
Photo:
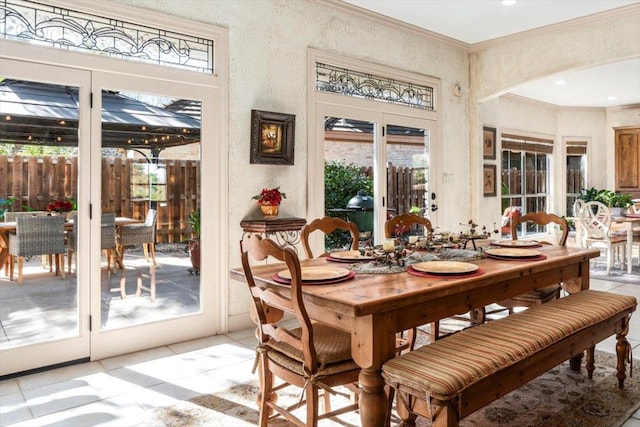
(594, 218)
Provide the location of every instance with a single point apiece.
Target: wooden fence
(404, 190)
(37, 181)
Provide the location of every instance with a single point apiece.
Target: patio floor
(44, 307)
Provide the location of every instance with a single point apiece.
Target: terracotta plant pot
(194, 253)
(269, 210)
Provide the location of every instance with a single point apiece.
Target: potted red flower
(269, 200)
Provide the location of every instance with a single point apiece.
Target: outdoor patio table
(373, 307)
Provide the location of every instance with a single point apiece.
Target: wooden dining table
(374, 307)
(6, 228)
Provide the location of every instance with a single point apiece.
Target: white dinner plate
(516, 243)
(313, 274)
(513, 253)
(445, 267)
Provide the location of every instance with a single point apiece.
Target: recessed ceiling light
(612, 98)
(508, 2)
(560, 82)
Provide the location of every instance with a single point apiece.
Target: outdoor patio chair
(37, 235)
(312, 356)
(107, 240)
(11, 217)
(139, 234)
(328, 225)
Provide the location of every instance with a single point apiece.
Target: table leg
(373, 399)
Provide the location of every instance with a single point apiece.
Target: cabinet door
(628, 161)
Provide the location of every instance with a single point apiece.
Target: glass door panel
(150, 186)
(43, 310)
(409, 166)
(348, 177)
(149, 163)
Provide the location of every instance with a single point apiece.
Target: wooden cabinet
(628, 160)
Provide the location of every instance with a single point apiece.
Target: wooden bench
(449, 379)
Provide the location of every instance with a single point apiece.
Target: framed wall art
(488, 143)
(489, 180)
(272, 138)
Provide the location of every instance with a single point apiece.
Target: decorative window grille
(68, 29)
(334, 79)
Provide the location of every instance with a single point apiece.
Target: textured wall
(267, 68)
(268, 71)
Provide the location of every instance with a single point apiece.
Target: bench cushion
(448, 366)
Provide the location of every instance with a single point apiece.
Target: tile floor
(120, 391)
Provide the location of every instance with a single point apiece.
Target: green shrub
(341, 183)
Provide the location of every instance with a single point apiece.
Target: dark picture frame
(489, 180)
(272, 138)
(489, 143)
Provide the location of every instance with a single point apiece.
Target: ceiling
(458, 19)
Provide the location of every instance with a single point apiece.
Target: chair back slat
(328, 225)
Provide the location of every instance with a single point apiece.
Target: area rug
(558, 398)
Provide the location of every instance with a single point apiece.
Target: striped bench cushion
(448, 366)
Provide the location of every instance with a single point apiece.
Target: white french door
(98, 309)
(384, 143)
(164, 178)
(45, 321)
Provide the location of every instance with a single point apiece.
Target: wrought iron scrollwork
(68, 29)
(330, 78)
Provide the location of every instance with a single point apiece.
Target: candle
(388, 245)
(413, 239)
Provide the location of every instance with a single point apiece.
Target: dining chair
(37, 235)
(548, 293)
(140, 234)
(328, 225)
(402, 224)
(312, 356)
(594, 218)
(107, 240)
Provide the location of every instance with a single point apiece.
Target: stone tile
(14, 409)
(135, 358)
(632, 422)
(53, 376)
(197, 344)
(9, 387)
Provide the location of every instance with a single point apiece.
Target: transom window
(69, 29)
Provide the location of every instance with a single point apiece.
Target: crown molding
(583, 21)
(381, 19)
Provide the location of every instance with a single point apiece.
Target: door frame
(67, 349)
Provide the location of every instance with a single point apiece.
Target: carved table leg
(373, 399)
